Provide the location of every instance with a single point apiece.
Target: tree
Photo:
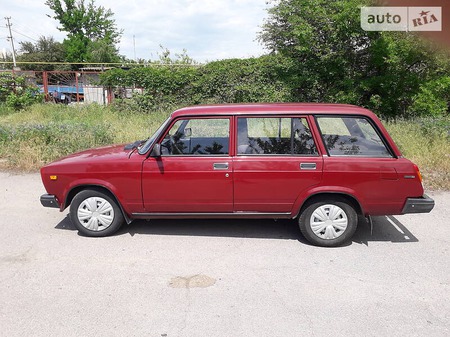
(46, 49)
(330, 58)
(100, 51)
(165, 57)
(90, 29)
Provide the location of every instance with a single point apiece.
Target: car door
(276, 160)
(194, 172)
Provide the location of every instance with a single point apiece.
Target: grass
(426, 143)
(42, 133)
(33, 137)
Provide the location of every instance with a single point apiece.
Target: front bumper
(418, 205)
(49, 200)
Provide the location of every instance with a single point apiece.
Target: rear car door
(276, 159)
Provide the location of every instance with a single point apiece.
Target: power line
(35, 32)
(28, 37)
(111, 63)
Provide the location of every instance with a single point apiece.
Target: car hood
(101, 154)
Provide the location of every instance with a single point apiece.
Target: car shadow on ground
(385, 228)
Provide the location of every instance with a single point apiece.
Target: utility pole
(134, 47)
(12, 40)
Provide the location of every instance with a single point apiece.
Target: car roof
(271, 108)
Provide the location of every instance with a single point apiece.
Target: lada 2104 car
(323, 164)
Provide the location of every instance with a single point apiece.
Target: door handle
(220, 166)
(308, 166)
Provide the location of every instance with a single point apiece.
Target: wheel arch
(339, 196)
(76, 189)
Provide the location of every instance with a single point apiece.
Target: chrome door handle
(308, 166)
(220, 166)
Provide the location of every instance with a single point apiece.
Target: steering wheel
(174, 145)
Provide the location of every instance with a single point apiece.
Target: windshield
(144, 148)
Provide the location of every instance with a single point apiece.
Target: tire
(328, 222)
(95, 213)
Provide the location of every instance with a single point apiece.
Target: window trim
(277, 116)
(368, 119)
(174, 121)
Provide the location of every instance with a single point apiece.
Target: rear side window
(351, 136)
(274, 136)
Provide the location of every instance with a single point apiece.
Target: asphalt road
(218, 278)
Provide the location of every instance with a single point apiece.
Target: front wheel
(95, 213)
(328, 223)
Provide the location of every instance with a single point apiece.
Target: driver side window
(206, 136)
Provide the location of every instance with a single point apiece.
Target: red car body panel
(190, 184)
(110, 167)
(272, 184)
(245, 185)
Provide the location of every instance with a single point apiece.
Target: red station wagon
(323, 164)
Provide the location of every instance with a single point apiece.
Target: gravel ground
(218, 277)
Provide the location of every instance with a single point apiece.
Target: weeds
(43, 133)
(426, 142)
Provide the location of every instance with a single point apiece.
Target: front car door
(193, 174)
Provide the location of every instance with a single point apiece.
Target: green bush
(241, 81)
(23, 98)
(228, 81)
(164, 86)
(16, 93)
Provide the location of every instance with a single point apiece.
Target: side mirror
(187, 132)
(156, 151)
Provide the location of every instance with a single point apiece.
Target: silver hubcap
(328, 222)
(95, 213)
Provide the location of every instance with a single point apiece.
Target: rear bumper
(49, 200)
(418, 205)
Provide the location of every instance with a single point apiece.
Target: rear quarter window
(351, 136)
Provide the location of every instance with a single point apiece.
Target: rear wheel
(328, 223)
(95, 213)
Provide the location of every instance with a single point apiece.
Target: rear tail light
(416, 168)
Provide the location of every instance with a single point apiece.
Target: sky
(208, 29)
